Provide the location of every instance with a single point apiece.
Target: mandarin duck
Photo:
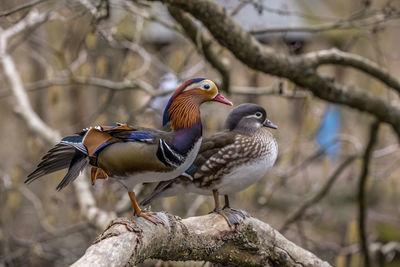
(228, 161)
(133, 155)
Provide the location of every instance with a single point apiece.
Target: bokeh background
(100, 62)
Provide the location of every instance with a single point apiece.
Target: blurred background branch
(24, 108)
(67, 65)
(362, 199)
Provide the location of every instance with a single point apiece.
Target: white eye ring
(258, 114)
(206, 86)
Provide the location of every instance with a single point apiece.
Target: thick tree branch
(338, 57)
(206, 238)
(297, 69)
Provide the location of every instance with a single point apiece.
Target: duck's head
(183, 107)
(248, 118)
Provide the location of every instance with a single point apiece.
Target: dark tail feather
(56, 159)
(156, 192)
(63, 155)
(78, 163)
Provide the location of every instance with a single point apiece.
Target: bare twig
(146, 14)
(21, 7)
(146, 87)
(24, 108)
(203, 42)
(362, 205)
(372, 20)
(209, 238)
(94, 81)
(85, 198)
(273, 89)
(319, 196)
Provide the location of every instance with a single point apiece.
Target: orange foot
(150, 216)
(97, 173)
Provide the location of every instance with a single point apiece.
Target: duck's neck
(185, 120)
(184, 139)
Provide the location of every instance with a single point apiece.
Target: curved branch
(206, 238)
(297, 69)
(338, 57)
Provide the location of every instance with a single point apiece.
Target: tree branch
(203, 42)
(21, 7)
(206, 238)
(296, 68)
(335, 56)
(301, 211)
(362, 205)
(372, 20)
(86, 200)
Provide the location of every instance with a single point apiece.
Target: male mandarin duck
(228, 161)
(134, 155)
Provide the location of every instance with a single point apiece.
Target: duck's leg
(226, 205)
(229, 217)
(238, 214)
(97, 173)
(217, 206)
(151, 216)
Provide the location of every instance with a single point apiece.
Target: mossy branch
(204, 238)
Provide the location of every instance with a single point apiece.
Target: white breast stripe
(170, 156)
(178, 156)
(164, 156)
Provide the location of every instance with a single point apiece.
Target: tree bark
(204, 238)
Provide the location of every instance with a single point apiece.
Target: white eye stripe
(190, 87)
(254, 116)
(251, 116)
(200, 85)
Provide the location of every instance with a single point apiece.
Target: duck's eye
(206, 86)
(258, 114)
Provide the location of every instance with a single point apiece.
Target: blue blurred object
(329, 131)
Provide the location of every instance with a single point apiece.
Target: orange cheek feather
(184, 111)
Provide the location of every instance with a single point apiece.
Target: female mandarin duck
(134, 155)
(229, 161)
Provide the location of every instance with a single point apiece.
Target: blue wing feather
(136, 136)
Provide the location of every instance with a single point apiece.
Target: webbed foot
(232, 216)
(152, 217)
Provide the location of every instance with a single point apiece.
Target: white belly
(238, 179)
(151, 177)
(242, 177)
